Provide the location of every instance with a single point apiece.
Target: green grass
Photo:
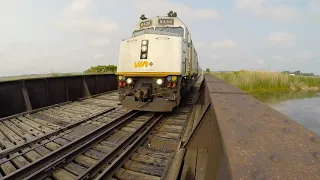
(258, 81)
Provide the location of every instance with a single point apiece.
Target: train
(157, 65)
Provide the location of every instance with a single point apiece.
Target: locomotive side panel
(195, 63)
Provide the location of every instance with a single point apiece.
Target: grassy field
(256, 81)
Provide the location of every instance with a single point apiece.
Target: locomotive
(158, 65)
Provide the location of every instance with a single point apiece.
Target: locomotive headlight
(159, 81)
(144, 48)
(169, 78)
(144, 42)
(129, 80)
(120, 78)
(144, 56)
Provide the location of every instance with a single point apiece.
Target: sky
(38, 36)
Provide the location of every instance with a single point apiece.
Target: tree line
(298, 73)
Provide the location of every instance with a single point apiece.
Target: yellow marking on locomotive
(148, 74)
(141, 64)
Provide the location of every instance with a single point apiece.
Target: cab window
(142, 31)
(178, 31)
(187, 36)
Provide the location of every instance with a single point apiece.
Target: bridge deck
(227, 135)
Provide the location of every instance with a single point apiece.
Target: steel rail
(41, 167)
(195, 97)
(165, 170)
(40, 138)
(119, 161)
(96, 95)
(94, 170)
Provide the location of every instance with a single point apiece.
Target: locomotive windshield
(172, 31)
(142, 31)
(175, 30)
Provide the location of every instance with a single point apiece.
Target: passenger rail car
(157, 65)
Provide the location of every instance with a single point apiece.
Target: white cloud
(314, 5)
(77, 8)
(281, 38)
(260, 61)
(278, 58)
(268, 9)
(278, 10)
(214, 56)
(161, 7)
(80, 5)
(224, 44)
(314, 13)
(304, 56)
(87, 25)
(99, 56)
(207, 14)
(100, 42)
(199, 44)
(78, 17)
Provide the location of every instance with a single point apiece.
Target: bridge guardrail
(18, 96)
(243, 138)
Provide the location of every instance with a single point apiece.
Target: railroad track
(25, 138)
(116, 147)
(151, 159)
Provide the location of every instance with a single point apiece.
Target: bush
(101, 69)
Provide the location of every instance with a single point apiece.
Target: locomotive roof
(160, 21)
